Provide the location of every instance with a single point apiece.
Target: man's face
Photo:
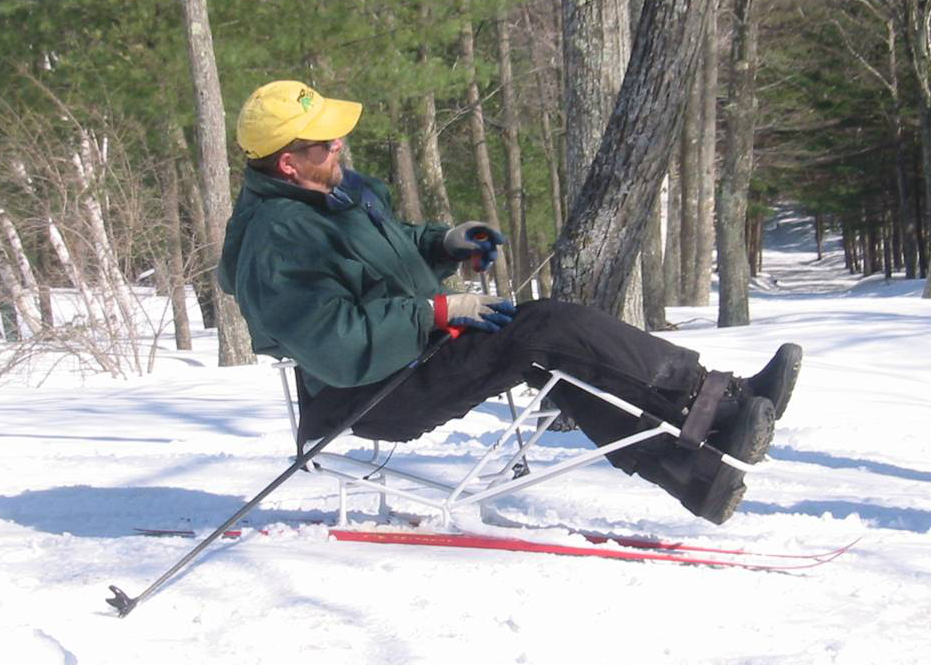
(317, 166)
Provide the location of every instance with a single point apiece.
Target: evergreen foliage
(831, 131)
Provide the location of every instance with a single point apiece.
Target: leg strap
(698, 423)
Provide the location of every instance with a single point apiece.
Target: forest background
(118, 161)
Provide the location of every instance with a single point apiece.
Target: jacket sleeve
(310, 306)
(429, 241)
(427, 237)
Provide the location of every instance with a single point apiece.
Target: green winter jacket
(319, 280)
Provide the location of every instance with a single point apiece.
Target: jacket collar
(347, 195)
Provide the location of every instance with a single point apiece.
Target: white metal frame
(475, 488)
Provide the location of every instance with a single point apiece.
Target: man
(324, 274)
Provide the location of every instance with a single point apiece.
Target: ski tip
(123, 603)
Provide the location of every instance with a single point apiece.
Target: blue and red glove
(477, 240)
(470, 310)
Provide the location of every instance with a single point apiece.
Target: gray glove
(470, 310)
(473, 239)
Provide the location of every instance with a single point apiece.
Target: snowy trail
(185, 447)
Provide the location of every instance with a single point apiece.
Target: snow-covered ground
(186, 446)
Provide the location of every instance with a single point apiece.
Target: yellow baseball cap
(282, 111)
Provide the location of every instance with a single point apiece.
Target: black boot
(704, 484)
(776, 381)
(747, 437)
(746, 434)
(677, 472)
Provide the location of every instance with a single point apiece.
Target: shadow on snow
(114, 512)
(886, 517)
(787, 454)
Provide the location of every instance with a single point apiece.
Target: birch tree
(15, 246)
(23, 301)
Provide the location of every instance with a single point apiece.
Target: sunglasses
(330, 145)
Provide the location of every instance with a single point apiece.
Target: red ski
(638, 549)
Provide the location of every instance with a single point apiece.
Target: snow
(86, 459)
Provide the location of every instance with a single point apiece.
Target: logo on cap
(306, 99)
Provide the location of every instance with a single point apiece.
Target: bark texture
(23, 301)
(918, 30)
(704, 240)
(651, 255)
(435, 197)
(672, 254)
(235, 344)
(176, 270)
(689, 182)
(601, 239)
(597, 42)
(518, 241)
(196, 220)
(739, 112)
(404, 174)
(482, 161)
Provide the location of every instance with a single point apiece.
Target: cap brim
(337, 118)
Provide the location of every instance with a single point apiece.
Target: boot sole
(724, 495)
(753, 432)
(761, 423)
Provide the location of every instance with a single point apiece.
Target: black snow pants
(656, 375)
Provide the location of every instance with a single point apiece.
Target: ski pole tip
(123, 603)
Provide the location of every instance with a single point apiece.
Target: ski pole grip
(481, 236)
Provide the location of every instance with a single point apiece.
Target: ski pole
(124, 604)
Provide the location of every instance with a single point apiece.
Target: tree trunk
(235, 345)
(403, 171)
(601, 239)
(19, 254)
(199, 250)
(176, 273)
(9, 321)
(57, 241)
(482, 161)
(917, 17)
(704, 241)
(689, 180)
(22, 300)
(520, 251)
(115, 291)
(596, 36)
(887, 248)
(906, 222)
(819, 235)
(433, 187)
(654, 296)
(740, 113)
(549, 145)
(43, 263)
(431, 164)
(30, 285)
(672, 253)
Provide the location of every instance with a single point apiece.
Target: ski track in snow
(86, 460)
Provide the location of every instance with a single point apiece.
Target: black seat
(303, 402)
